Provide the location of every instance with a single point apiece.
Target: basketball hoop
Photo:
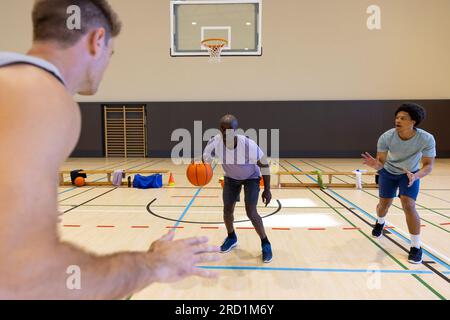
(214, 46)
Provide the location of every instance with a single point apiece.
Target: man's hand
(411, 176)
(370, 161)
(266, 196)
(171, 261)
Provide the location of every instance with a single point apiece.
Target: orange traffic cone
(171, 180)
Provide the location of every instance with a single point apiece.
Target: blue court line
(332, 270)
(427, 253)
(393, 231)
(180, 219)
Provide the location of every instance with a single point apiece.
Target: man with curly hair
(399, 152)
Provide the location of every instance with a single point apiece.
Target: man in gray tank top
(40, 124)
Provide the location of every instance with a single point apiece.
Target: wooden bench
(319, 177)
(108, 174)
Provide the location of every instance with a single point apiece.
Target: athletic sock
(265, 241)
(232, 235)
(381, 220)
(415, 240)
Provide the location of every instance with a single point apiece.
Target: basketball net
(215, 46)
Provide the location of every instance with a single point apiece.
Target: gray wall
(307, 128)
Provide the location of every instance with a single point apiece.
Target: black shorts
(232, 190)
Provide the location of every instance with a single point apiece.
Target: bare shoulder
(23, 82)
(34, 100)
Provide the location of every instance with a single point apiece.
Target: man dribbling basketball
(241, 159)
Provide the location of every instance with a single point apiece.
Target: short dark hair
(50, 20)
(415, 111)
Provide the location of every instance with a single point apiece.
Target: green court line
(422, 207)
(423, 282)
(365, 191)
(448, 209)
(435, 225)
(430, 195)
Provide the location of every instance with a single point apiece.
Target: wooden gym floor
(321, 238)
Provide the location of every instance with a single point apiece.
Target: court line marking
(331, 270)
(421, 218)
(432, 196)
(421, 281)
(388, 236)
(179, 220)
(96, 197)
(190, 203)
(238, 228)
(365, 191)
(197, 196)
(426, 248)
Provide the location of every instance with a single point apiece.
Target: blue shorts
(232, 190)
(389, 183)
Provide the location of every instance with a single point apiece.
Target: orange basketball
(199, 174)
(80, 182)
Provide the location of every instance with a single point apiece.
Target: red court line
(210, 227)
(317, 229)
(171, 227)
(245, 228)
(281, 229)
(72, 226)
(106, 226)
(422, 225)
(389, 227)
(140, 227)
(351, 228)
(445, 224)
(196, 197)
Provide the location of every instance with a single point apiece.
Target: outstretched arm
(37, 131)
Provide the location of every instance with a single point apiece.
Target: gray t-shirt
(239, 163)
(406, 154)
(11, 58)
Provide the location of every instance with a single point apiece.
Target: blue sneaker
(228, 244)
(267, 253)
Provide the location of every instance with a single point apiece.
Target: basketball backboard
(237, 21)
